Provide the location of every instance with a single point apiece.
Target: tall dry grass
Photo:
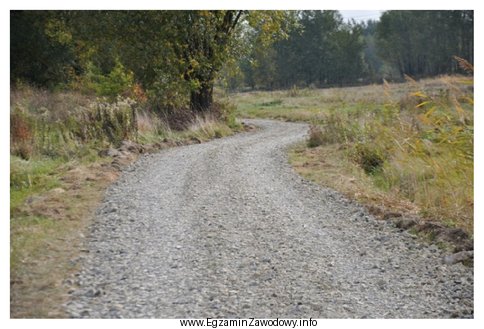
(53, 124)
(69, 124)
(419, 146)
(413, 139)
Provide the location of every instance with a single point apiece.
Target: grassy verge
(49, 216)
(397, 147)
(58, 177)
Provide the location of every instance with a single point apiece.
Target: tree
(205, 40)
(423, 42)
(321, 50)
(38, 54)
(189, 48)
(175, 55)
(373, 61)
(204, 48)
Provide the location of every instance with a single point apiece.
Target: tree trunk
(201, 99)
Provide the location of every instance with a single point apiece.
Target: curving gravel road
(227, 229)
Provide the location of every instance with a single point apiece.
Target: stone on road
(228, 229)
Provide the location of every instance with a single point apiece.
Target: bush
(118, 82)
(368, 157)
(225, 112)
(167, 93)
(66, 123)
(21, 134)
(316, 136)
(108, 121)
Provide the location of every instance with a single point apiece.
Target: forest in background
(174, 58)
(323, 51)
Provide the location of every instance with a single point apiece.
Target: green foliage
(118, 82)
(179, 66)
(40, 51)
(369, 156)
(169, 94)
(424, 151)
(176, 56)
(324, 51)
(33, 176)
(320, 51)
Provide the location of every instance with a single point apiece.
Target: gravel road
(228, 229)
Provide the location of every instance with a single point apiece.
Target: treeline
(323, 50)
(174, 58)
(320, 50)
(423, 43)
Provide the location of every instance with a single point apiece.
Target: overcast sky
(361, 15)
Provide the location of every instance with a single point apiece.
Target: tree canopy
(177, 57)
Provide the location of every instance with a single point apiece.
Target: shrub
(168, 93)
(20, 126)
(118, 82)
(369, 157)
(225, 112)
(66, 123)
(21, 134)
(113, 122)
(316, 136)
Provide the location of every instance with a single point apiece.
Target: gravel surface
(228, 229)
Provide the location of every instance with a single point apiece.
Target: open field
(404, 147)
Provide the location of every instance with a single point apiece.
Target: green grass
(307, 105)
(28, 177)
(311, 105)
